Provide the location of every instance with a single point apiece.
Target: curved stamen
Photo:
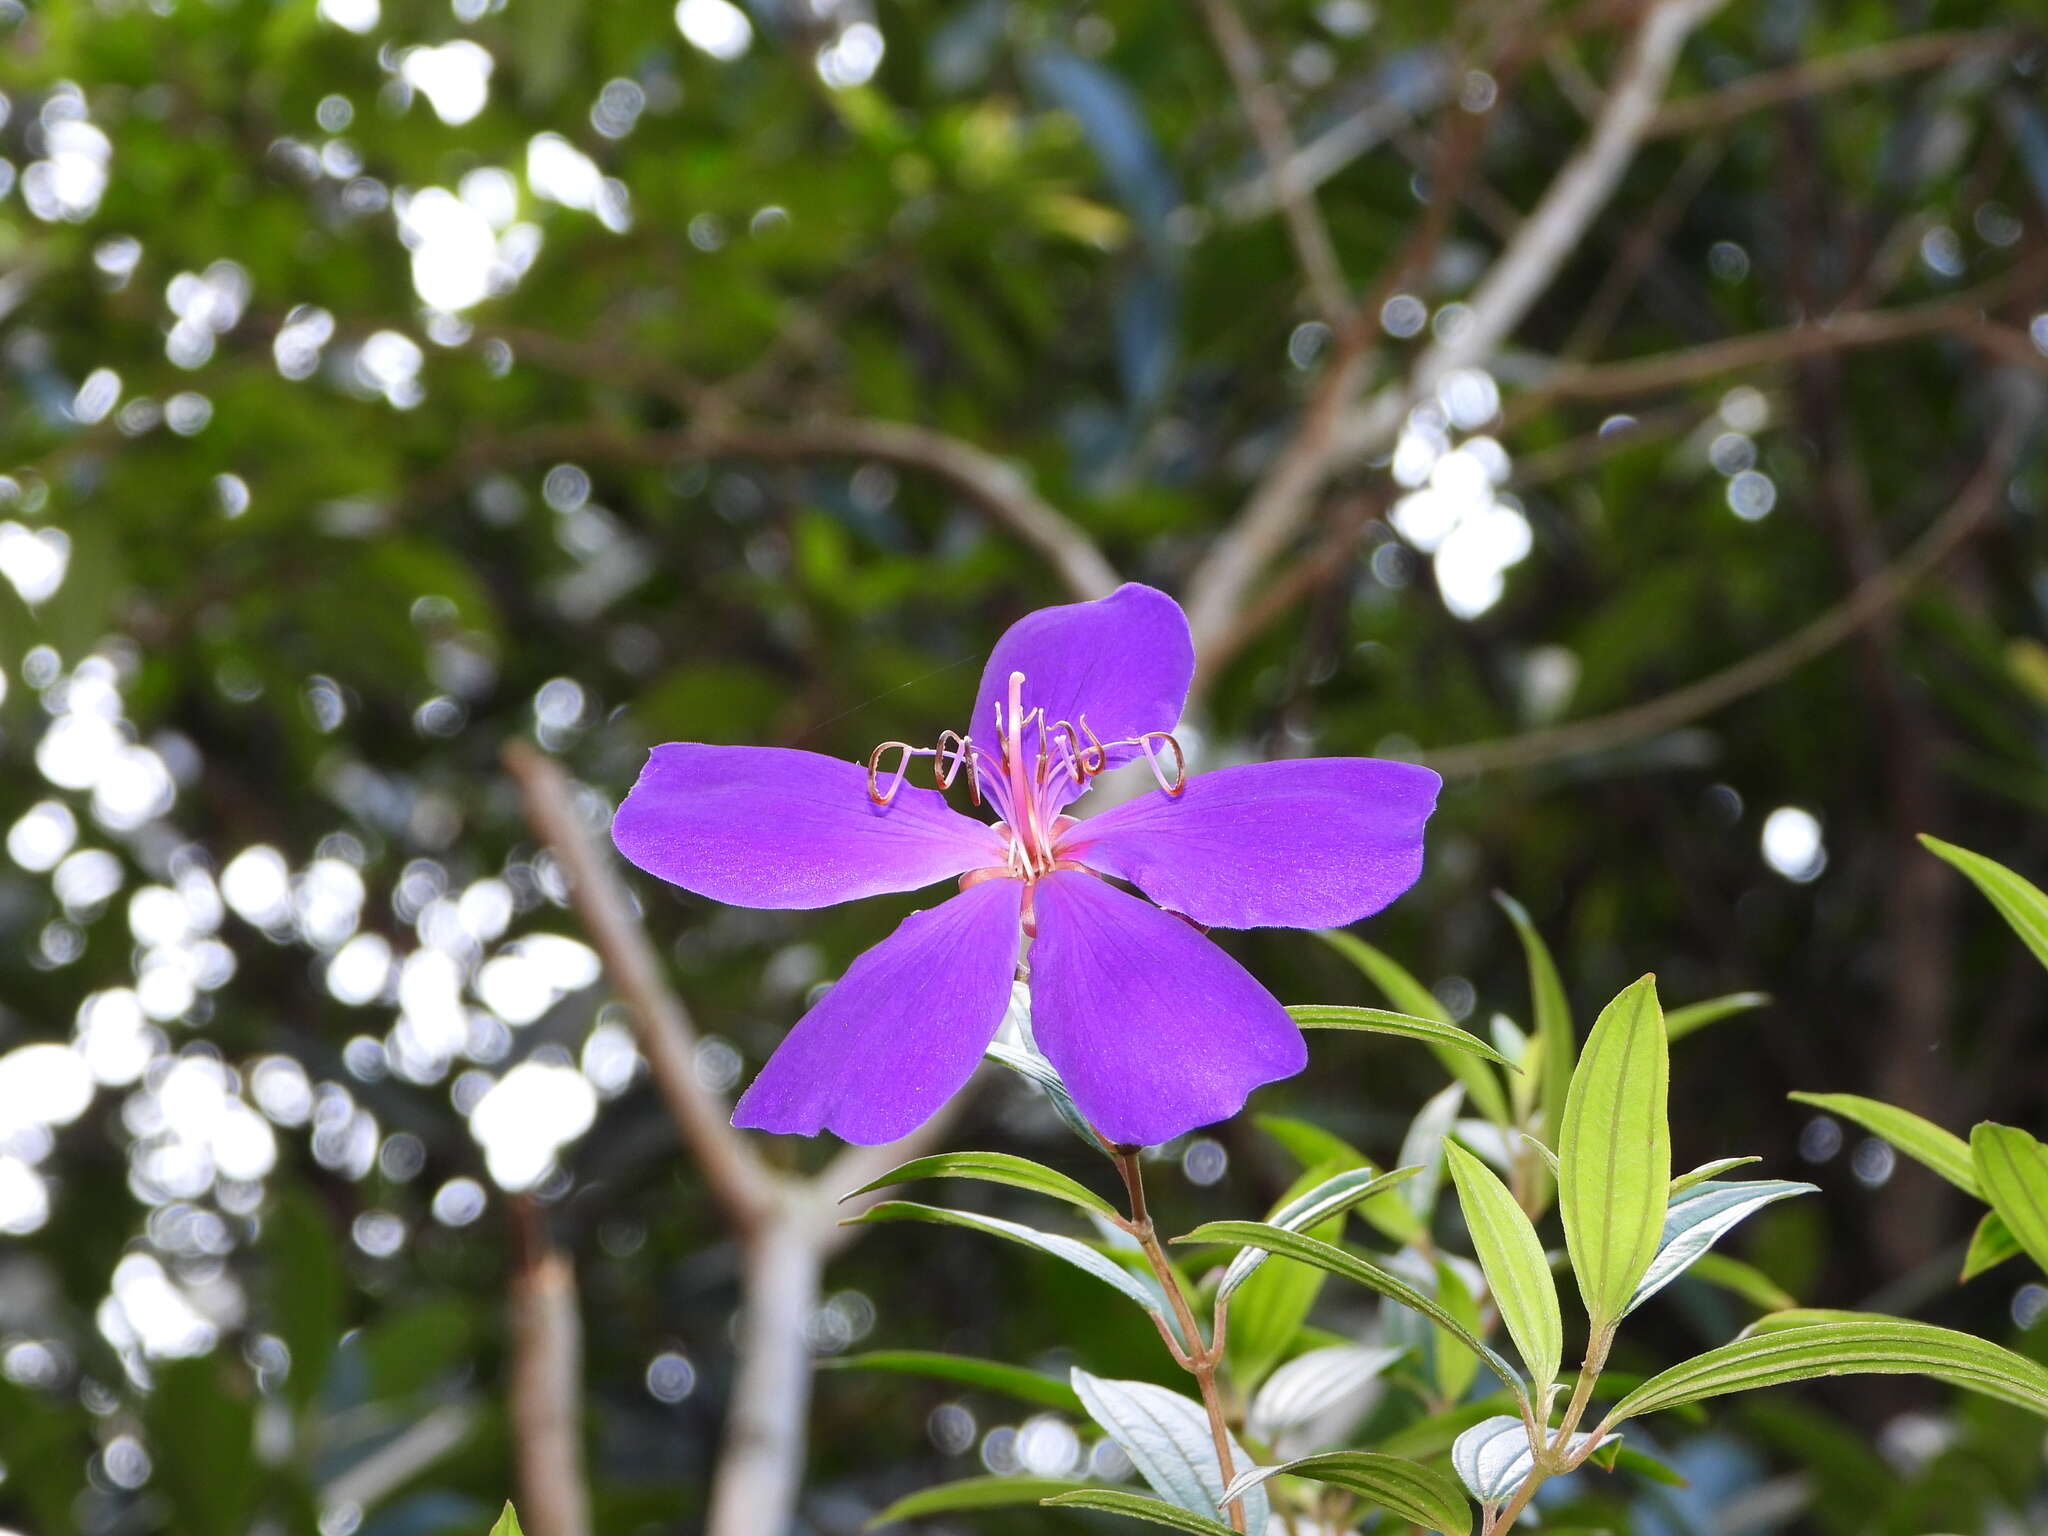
(1179, 781)
(952, 753)
(906, 752)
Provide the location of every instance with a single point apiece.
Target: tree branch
(1868, 602)
(744, 1189)
(546, 1389)
(1861, 66)
(992, 484)
(1331, 431)
(1267, 119)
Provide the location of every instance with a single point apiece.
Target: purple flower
(1154, 1029)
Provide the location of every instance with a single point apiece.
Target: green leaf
(1922, 1140)
(202, 1425)
(994, 1168)
(1169, 1440)
(1080, 1255)
(2019, 901)
(975, 1493)
(1378, 1021)
(1680, 1022)
(1453, 1365)
(307, 1290)
(1113, 1501)
(990, 1375)
(1412, 997)
(1744, 1280)
(1298, 1212)
(1403, 1489)
(1616, 1457)
(508, 1522)
(1614, 1151)
(1698, 1217)
(1313, 1147)
(1990, 1245)
(1349, 1266)
(1557, 1044)
(1706, 1171)
(1516, 1270)
(2012, 1170)
(1772, 1354)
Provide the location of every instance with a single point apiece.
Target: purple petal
(1311, 843)
(768, 827)
(901, 1031)
(1154, 1029)
(1123, 663)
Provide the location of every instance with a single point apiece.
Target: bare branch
(1962, 316)
(1285, 497)
(1868, 602)
(992, 484)
(1861, 66)
(761, 1457)
(546, 1388)
(1268, 121)
(743, 1187)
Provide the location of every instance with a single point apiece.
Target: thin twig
(1868, 602)
(1267, 119)
(1812, 77)
(744, 1188)
(545, 1391)
(991, 483)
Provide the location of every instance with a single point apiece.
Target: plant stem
(1552, 1458)
(1200, 1359)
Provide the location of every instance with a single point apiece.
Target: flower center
(1033, 769)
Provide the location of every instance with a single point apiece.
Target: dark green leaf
(989, 1375)
(994, 1168)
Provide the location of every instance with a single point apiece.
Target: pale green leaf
(1706, 1171)
(989, 1375)
(1512, 1256)
(2019, 901)
(1614, 1152)
(1699, 1216)
(1403, 1489)
(1453, 1365)
(1557, 1044)
(1774, 1353)
(1170, 1442)
(508, 1522)
(1349, 1266)
(1744, 1280)
(1312, 1384)
(1412, 997)
(1297, 1213)
(1114, 1501)
(1990, 1245)
(994, 1168)
(1078, 1254)
(2012, 1170)
(1680, 1022)
(1922, 1140)
(1378, 1021)
(1493, 1458)
(1313, 1147)
(975, 1493)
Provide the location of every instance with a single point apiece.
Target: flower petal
(1154, 1029)
(1308, 843)
(901, 1031)
(1122, 662)
(768, 827)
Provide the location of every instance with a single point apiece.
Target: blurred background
(384, 381)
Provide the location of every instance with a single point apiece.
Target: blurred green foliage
(335, 549)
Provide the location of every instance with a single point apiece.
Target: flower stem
(1200, 1359)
